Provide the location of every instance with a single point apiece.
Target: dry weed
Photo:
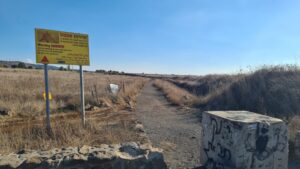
(175, 94)
(65, 133)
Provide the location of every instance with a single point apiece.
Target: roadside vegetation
(174, 94)
(101, 128)
(270, 90)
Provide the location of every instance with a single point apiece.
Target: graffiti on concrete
(260, 150)
(223, 129)
(258, 141)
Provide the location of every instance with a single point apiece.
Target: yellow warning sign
(56, 47)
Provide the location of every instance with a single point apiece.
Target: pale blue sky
(161, 36)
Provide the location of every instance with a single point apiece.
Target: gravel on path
(177, 131)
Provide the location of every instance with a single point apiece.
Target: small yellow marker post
(50, 96)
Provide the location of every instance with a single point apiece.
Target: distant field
(22, 91)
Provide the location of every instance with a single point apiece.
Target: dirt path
(176, 131)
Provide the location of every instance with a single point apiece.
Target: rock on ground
(5, 112)
(117, 156)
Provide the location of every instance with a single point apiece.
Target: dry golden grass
(21, 90)
(65, 133)
(270, 90)
(175, 94)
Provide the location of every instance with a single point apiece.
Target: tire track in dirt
(176, 131)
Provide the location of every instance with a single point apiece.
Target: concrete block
(243, 140)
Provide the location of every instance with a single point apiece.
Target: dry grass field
(272, 91)
(21, 92)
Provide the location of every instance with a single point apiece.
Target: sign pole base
(82, 105)
(48, 126)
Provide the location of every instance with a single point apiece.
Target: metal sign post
(59, 47)
(48, 126)
(82, 96)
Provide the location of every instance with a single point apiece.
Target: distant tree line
(20, 65)
(62, 68)
(5, 66)
(110, 72)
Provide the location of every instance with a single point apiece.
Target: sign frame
(60, 47)
(47, 60)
